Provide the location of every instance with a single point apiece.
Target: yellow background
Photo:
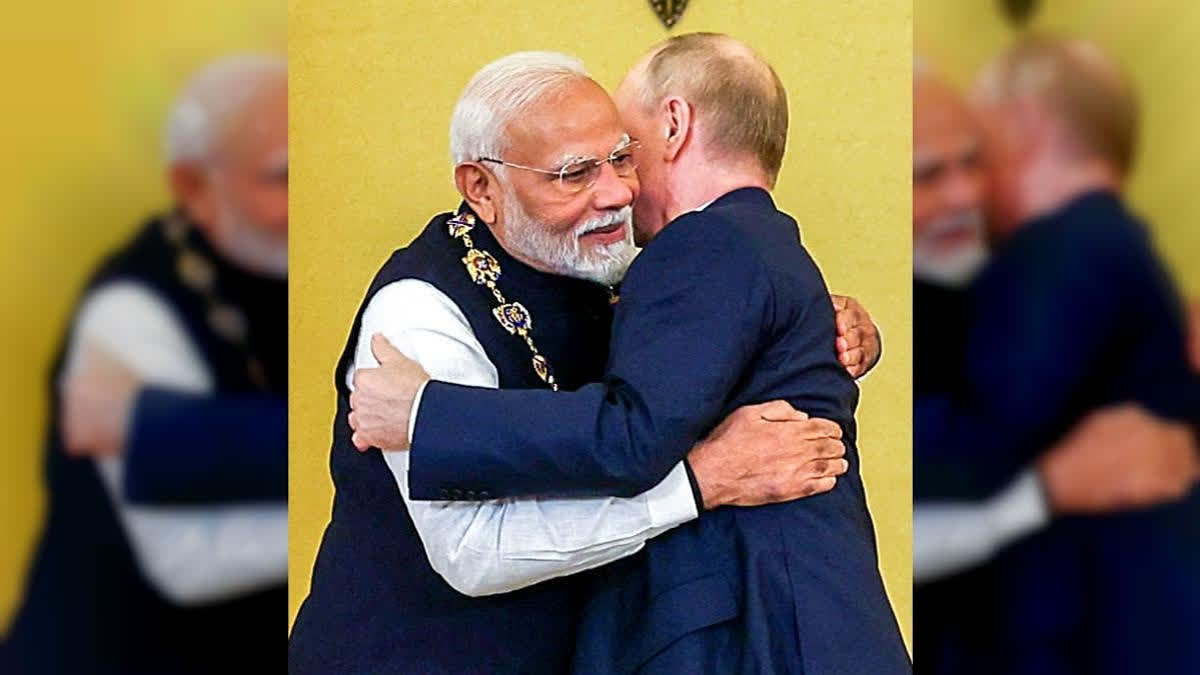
(86, 88)
(1155, 40)
(373, 85)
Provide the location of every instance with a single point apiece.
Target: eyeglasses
(581, 174)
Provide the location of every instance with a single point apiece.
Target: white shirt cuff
(1021, 509)
(671, 502)
(412, 414)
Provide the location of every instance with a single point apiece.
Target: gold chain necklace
(199, 273)
(485, 271)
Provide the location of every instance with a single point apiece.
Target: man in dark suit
(165, 543)
(1115, 459)
(477, 585)
(1073, 313)
(724, 307)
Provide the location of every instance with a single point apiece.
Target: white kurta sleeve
(950, 537)
(192, 555)
(481, 548)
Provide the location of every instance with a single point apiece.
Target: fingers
(818, 427)
(780, 411)
(98, 359)
(830, 448)
(851, 339)
(383, 350)
(821, 468)
(846, 322)
(818, 486)
(853, 357)
(839, 302)
(73, 443)
(359, 442)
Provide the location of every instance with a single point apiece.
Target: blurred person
(165, 543)
(1194, 341)
(1089, 471)
(1073, 313)
(366, 605)
(723, 308)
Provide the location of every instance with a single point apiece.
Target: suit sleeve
(694, 307)
(1040, 331)
(235, 448)
(190, 555)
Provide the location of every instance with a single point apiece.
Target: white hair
(211, 98)
(498, 93)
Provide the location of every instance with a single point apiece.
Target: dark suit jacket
(235, 448)
(88, 608)
(724, 308)
(1073, 313)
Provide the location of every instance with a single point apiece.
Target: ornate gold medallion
(514, 317)
(484, 270)
(482, 267)
(199, 273)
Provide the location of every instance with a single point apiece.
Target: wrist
(708, 488)
(694, 484)
(1050, 479)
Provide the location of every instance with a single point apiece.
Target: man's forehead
(578, 126)
(261, 121)
(942, 123)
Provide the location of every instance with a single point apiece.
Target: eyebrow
(566, 159)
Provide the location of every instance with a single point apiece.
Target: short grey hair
(211, 98)
(498, 93)
(735, 91)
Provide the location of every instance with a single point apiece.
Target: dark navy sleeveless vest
(376, 605)
(87, 607)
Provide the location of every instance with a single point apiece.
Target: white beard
(248, 245)
(563, 253)
(956, 267)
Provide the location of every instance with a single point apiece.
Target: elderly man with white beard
(1121, 458)
(489, 295)
(165, 544)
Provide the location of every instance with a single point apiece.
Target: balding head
(738, 97)
(1060, 120)
(1076, 83)
(711, 116)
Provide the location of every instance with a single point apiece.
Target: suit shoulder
(707, 236)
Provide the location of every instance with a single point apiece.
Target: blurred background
(88, 87)
(372, 88)
(1056, 382)
(1155, 41)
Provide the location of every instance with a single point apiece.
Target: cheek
(924, 208)
(265, 203)
(559, 216)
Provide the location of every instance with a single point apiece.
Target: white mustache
(972, 219)
(621, 216)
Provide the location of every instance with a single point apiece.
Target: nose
(964, 189)
(612, 191)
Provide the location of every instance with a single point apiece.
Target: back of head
(1076, 83)
(212, 98)
(498, 93)
(738, 97)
